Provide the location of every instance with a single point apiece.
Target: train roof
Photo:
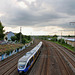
(24, 58)
(30, 52)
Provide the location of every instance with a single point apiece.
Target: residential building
(8, 35)
(68, 40)
(71, 42)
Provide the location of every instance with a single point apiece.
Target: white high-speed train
(26, 62)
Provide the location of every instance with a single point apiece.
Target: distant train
(26, 62)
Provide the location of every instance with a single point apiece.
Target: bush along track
(62, 43)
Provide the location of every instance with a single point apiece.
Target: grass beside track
(9, 47)
(65, 45)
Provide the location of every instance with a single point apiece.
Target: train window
(28, 64)
(21, 65)
(35, 54)
(31, 59)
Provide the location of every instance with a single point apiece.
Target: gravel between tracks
(50, 62)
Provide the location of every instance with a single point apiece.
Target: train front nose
(21, 69)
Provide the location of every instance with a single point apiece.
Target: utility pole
(20, 35)
(61, 36)
(73, 23)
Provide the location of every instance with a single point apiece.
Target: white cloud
(22, 4)
(37, 13)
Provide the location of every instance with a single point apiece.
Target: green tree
(69, 36)
(13, 38)
(61, 41)
(54, 38)
(26, 37)
(1, 31)
(23, 40)
(18, 36)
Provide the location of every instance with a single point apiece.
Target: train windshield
(21, 65)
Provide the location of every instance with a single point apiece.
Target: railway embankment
(11, 49)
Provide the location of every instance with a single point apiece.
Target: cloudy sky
(38, 17)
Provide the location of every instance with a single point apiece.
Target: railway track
(67, 51)
(61, 62)
(69, 57)
(10, 65)
(71, 52)
(67, 70)
(58, 65)
(44, 62)
(10, 58)
(1, 65)
(10, 70)
(51, 62)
